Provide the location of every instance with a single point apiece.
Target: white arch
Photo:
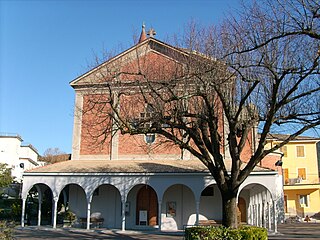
(185, 202)
(106, 203)
(258, 211)
(131, 197)
(27, 188)
(40, 195)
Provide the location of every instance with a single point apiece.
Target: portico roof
(126, 166)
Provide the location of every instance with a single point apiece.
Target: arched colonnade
(166, 202)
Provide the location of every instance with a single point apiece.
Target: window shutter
(283, 149)
(302, 173)
(286, 175)
(300, 151)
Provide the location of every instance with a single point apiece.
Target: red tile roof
(127, 166)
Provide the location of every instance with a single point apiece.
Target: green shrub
(217, 233)
(253, 233)
(10, 209)
(69, 216)
(6, 230)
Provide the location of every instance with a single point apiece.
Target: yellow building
(300, 175)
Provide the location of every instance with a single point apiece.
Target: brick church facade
(140, 181)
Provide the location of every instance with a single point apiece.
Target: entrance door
(147, 206)
(243, 209)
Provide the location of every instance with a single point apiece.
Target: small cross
(151, 32)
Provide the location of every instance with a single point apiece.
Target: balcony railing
(293, 181)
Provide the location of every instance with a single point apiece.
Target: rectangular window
(304, 200)
(302, 173)
(286, 175)
(300, 151)
(283, 149)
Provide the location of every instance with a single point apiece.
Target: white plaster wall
(17, 171)
(269, 181)
(280, 198)
(28, 152)
(210, 206)
(11, 153)
(131, 198)
(9, 150)
(77, 201)
(185, 207)
(108, 203)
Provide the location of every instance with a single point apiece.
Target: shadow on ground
(309, 231)
(34, 233)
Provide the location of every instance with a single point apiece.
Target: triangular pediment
(137, 54)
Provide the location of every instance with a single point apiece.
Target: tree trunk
(229, 209)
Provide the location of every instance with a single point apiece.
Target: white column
(159, 214)
(264, 208)
(39, 203)
(249, 215)
(260, 214)
(275, 216)
(23, 211)
(114, 155)
(197, 212)
(269, 216)
(257, 215)
(123, 214)
(252, 216)
(39, 211)
(54, 211)
(264, 217)
(88, 215)
(77, 126)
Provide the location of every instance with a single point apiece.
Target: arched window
(150, 138)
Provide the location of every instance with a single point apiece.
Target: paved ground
(33, 233)
(309, 231)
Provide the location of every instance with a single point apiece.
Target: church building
(138, 181)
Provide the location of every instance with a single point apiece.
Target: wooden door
(147, 201)
(243, 209)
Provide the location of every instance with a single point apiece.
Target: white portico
(171, 194)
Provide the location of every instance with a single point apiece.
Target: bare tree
(53, 155)
(258, 69)
(273, 50)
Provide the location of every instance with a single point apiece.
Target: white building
(17, 155)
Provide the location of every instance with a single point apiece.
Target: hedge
(6, 230)
(217, 233)
(10, 209)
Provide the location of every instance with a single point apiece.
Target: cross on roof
(151, 32)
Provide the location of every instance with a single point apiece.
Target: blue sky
(46, 44)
